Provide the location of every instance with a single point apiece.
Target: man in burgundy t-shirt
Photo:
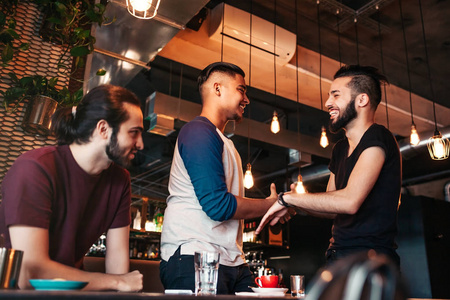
(58, 200)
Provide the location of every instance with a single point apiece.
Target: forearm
(324, 204)
(48, 269)
(248, 208)
(319, 214)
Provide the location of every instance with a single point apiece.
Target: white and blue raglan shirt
(205, 175)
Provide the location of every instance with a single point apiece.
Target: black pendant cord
(296, 75)
(357, 41)
(223, 33)
(274, 50)
(428, 66)
(320, 55)
(407, 61)
(382, 65)
(339, 37)
(249, 79)
(170, 78)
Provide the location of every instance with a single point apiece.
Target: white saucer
(270, 291)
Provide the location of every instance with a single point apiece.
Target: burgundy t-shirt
(46, 188)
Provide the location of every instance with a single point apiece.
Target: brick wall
(40, 59)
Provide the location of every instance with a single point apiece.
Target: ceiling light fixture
(143, 9)
(438, 146)
(248, 177)
(299, 188)
(414, 136)
(323, 137)
(275, 125)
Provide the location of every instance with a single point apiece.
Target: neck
(215, 118)
(355, 130)
(91, 159)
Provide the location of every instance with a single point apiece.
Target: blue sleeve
(201, 149)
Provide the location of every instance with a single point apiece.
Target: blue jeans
(179, 273)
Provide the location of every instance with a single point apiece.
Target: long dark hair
(105, 102)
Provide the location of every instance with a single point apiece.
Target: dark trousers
(179, 273)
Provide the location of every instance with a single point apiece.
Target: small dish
(56, 285)
(270, 291)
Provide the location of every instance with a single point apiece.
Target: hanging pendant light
(300, 188)
(248, 177)
(275, 125)
(323, 138)
(143, 9)
(438, 146)
(414, 137)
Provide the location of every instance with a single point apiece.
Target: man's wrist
(281, 200)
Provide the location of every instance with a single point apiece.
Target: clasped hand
(276, 213)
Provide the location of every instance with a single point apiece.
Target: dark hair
(222, 67)
(365, 79)
(104, 102)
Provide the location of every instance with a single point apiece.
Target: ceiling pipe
(408, 151)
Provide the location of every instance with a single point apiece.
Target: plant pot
(38, 115)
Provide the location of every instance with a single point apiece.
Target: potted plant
(68, 25)
(44, 98)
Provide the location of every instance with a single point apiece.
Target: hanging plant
(37, 85)
(8, 33)
(67, 24)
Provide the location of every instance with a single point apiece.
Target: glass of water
(206, 272)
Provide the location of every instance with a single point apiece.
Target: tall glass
(206, 272)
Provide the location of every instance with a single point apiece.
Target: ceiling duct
(236, 31)
(124, 47)
(159, 123)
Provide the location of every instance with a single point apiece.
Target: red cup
(267, 281)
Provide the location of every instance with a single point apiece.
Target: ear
(362, 100)
(103, 129)
(217, 88)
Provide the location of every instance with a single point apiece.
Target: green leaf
(24, 46)
(100, 72)
(7, 53)
(79, 51)
(55, 20)
(12, 33)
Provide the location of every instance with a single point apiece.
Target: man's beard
(115, 153)
(348, 115)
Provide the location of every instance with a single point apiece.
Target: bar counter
(32, 294)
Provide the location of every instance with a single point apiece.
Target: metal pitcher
(10, 263)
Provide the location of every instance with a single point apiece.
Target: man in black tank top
(363, 190)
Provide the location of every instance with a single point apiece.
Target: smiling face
(127, 141)
(341, 104)
(234, 94)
